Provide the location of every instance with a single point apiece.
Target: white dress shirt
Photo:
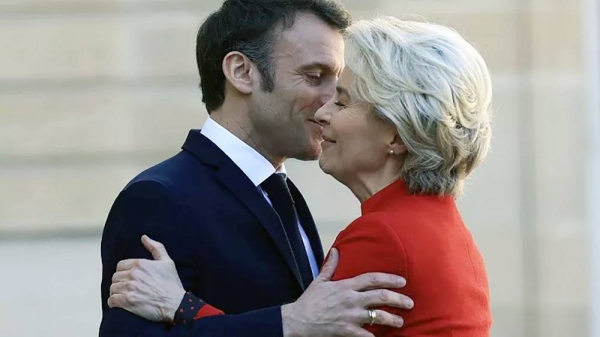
(256, 167)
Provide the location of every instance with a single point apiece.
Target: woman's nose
(323, 115)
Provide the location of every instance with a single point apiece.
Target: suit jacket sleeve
(148, 207)
(369, 245)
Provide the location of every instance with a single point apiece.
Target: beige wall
(93, 91)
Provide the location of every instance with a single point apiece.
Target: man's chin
(310, 154)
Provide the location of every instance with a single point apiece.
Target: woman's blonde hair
(434, 87)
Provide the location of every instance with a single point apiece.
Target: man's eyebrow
(318, 65)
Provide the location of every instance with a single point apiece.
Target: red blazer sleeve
(192, 308)
(369, 245)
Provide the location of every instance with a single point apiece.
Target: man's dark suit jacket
(227, 242)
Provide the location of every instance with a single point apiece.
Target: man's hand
(340, 308)
(148, 288)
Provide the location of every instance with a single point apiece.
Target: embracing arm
(147, 207)
(325, 309)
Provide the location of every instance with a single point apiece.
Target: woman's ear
(238, 69)
(397, 146)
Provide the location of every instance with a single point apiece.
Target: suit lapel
(232, 177)
(308, 223)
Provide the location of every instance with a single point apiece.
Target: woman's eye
(340, 104)
(314, 77)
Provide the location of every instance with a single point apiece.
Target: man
(239, 232)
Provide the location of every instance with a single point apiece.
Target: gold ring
(372, 316)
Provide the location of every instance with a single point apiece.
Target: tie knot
(276, 185)
(277, 178)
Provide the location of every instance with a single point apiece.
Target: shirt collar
(256, 167)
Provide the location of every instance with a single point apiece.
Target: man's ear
(238, 69)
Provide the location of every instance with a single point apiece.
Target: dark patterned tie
(281, 199)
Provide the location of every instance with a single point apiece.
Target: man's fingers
(381, 297)
(330, 266)
(158, 250)
(358, 332)
(371, 281)
(383, 318)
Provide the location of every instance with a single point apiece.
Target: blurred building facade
(94, 91)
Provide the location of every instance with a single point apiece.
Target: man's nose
(328, 93)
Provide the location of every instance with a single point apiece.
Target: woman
(407, 126)
(409, 122)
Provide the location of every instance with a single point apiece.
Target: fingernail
(399, 322)
(401, 282)
(410, 304)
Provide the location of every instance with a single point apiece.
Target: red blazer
(423, 239)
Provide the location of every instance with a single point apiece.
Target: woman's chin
(327, 167)
(323, 165)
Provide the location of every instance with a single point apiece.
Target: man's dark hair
(250, 27)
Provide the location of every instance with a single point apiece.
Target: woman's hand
(148, 288)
